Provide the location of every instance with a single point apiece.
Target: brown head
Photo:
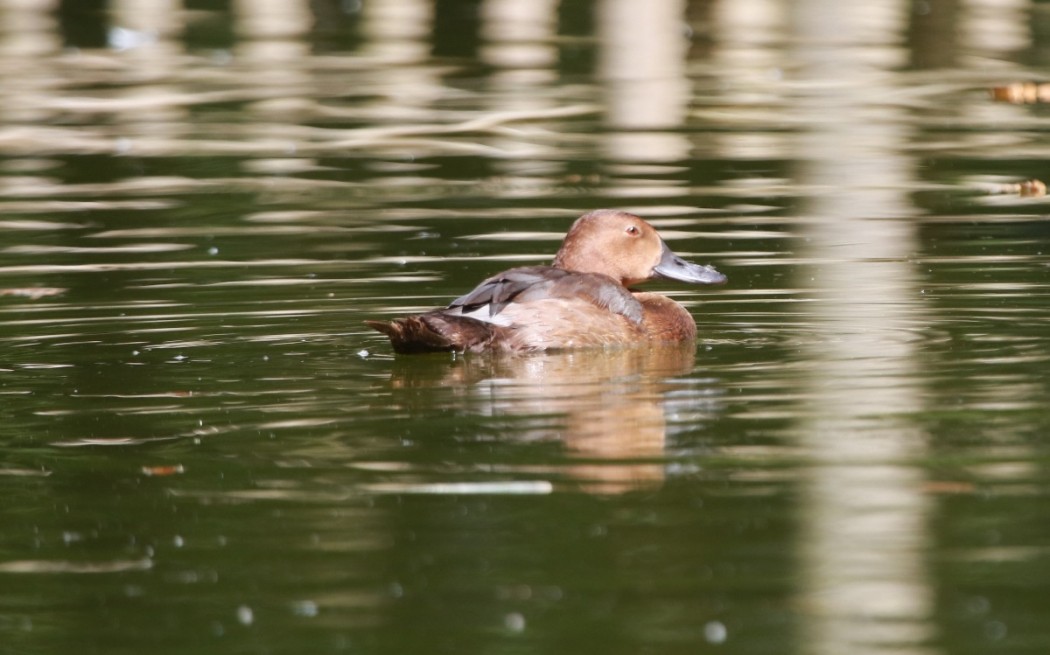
(626, 248)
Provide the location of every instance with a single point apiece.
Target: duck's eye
(633, 230)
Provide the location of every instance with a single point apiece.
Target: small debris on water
(1032, 188)
(1022, 93)
(161, 471)
(1028, 189)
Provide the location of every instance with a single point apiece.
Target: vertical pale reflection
(864, 586)
(519, 35)
(996, 28)
(29, 28)
(152, 21)
(519, 44)
(398, 32)
(148, 31)
(642, 66)
(272, 48)
(28, 40)
(272, 40)
(748, 67)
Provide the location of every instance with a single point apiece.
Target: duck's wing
(527, 283)
(498, 291)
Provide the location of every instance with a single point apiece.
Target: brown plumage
(582, 300)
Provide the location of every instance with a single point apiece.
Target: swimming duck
(583, 299)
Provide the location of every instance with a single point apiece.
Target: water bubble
(978, 605)
(995, 630)
(245, 615)
(715, 632)
(514, 622)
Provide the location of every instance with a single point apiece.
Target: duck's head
(626, 248)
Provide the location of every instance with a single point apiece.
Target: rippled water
(205, 450)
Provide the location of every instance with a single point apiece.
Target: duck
(584, 299)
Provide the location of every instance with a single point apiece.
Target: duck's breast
(664, 319)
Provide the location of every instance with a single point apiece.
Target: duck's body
(582, 300)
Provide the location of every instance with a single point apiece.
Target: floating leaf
(159, 471)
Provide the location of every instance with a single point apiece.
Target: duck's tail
(436, 332)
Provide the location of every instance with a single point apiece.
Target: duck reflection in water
(607, 404)
(583, 299)
(608, 408)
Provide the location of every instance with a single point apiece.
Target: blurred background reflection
(206, 450)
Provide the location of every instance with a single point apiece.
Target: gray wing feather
(527, 283)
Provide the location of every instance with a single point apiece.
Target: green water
(205, 450)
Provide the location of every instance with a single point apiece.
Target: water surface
(205, 450)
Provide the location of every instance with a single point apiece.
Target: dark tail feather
(435, 332)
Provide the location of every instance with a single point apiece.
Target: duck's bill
(673, 267)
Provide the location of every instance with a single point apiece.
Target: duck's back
(545, 324)
(525, 309)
